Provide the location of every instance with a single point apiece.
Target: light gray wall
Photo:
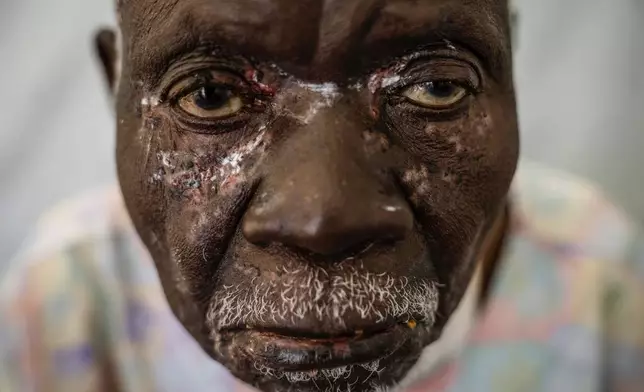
(580, 68)
(56, 135)
(580, 75)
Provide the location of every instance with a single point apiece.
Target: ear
(106, 49)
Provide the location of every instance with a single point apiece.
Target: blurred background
(579, 74)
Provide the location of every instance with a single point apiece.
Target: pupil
(211, 97)
(440, 89)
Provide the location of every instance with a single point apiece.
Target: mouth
(296, 351)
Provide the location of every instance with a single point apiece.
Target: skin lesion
(189, 175)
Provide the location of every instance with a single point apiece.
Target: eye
(211, 101)
(435, 95)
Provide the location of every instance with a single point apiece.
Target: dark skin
(315, 180)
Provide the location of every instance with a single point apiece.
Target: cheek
(190, 167)
(462, 164)
(194, 186)
(195, 169)
(456, 176)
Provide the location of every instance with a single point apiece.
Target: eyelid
(189, 81)
(182, 88)
(441, 69)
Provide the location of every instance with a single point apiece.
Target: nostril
(360, 248)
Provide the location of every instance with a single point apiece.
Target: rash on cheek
(418, 180)
(197, 176)
(452, 159)
(454, 180)
(194, 167)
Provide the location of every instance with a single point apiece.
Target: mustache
(326, 295)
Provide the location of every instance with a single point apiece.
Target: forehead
(307, 35)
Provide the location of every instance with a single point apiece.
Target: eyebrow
(188, 29)
(391, 35)
(477, 30)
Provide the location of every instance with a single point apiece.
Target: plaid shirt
(83, 310)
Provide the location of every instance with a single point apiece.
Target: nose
(326, 195)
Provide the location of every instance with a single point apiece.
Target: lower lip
(287, 353)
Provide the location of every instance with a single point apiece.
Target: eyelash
(419, 78)
(201, 77)
(397, 89)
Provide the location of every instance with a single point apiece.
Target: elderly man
(322, 187)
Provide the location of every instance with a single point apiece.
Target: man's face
(314, 178)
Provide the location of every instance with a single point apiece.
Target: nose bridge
(324, 157)
(323, 168)
(331, 152)
(323, 194)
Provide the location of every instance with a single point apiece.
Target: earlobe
(106, 48)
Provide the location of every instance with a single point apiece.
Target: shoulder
(569, 231)
(85, 297)
(569, 214)
(80, 249)
(568, 299)
(586, 253)
(56, 289)
(92, 216)
(81, 243)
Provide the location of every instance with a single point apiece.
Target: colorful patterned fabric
(82, 309)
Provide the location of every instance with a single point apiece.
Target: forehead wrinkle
(262, 29)
(355, 34)
(368, 34)
(143, 15)
(159, 38)
(343, 26)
